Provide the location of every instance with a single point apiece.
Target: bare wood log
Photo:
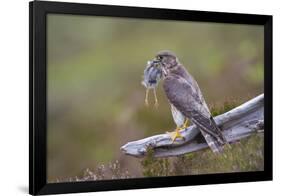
(235, 124)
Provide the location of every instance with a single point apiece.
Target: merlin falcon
(187, 101)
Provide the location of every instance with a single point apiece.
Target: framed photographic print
(132, 97)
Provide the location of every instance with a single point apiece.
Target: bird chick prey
(187, 101)
(151, 76)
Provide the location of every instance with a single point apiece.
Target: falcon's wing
(186, 98)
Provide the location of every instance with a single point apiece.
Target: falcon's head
(167, 59)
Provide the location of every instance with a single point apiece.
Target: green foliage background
(95, 66)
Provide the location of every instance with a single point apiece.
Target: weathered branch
(236, 124)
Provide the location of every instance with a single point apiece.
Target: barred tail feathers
(215, 146)
(210, 131)
(218, 130)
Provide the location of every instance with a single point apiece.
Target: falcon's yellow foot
(186, 124)
(175, 134)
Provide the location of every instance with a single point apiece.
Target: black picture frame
(37, 97)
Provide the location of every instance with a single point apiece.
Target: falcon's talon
(175, 134)
(186, 124)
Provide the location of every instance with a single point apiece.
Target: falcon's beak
(162, 67)
(156, 61)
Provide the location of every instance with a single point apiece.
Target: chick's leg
(146, 97)
(156, 104)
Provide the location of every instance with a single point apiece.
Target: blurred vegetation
(94, 70)
(102, 172)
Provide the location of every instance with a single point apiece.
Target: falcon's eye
(159, 57)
